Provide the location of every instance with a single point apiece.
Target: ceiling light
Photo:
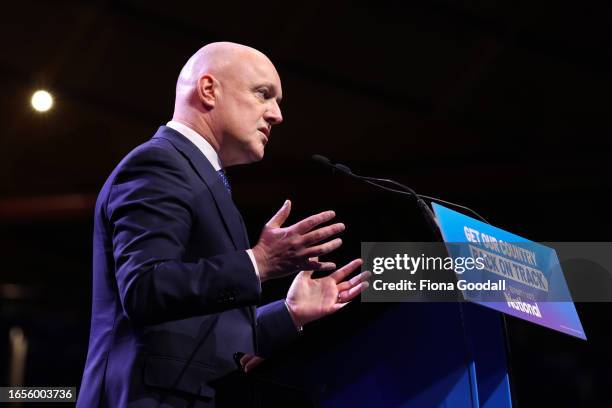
(42, 101)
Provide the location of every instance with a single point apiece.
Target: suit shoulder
(150, 157)
(156, 156)
(153, 150)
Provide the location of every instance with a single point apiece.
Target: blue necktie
(226, 183)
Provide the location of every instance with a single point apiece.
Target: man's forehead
(263, 73)
(264, 70)
(246, 66)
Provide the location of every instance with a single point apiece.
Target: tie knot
(223, 177)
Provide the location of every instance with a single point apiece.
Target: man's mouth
(266, 133)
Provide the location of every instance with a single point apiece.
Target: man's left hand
(310, 299)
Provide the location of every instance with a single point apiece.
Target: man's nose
(274, 115)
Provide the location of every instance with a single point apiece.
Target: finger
(281, 216)
(309, 223)
(323, 249)
(320, 234)
(254, 362)
(346, 270)
(352, 293)
(363, 276)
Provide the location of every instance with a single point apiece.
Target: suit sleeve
(275, 328)
(150, 213)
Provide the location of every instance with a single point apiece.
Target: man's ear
(207, 90)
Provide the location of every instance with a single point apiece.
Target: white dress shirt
(211, 155)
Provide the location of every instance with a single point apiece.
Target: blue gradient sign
(534, 288)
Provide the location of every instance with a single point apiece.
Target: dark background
(503, 106)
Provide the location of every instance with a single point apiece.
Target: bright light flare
(42, 101)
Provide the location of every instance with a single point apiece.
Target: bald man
(175, 281)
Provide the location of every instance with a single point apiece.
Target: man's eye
(263, 93)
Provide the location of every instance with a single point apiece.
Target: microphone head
(321, 160)
(344, 169)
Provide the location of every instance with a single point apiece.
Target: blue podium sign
(533, 285)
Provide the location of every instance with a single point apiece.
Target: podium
(394, 355)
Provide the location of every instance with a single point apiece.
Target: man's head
(230, 93)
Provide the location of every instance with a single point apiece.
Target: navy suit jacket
(173, 287)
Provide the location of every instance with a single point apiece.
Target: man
(175, 280)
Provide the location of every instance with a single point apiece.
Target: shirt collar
(197, 139)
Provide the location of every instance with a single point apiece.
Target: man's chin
(251, 154)
(254, 156)
(258, 153)
(259, 157)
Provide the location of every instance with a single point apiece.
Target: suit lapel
(223, 201)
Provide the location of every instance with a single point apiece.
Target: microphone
(322, 160)
(325, 162)
(405, 190)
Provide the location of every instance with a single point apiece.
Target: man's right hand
(283, 251)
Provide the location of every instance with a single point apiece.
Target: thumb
(281, 216)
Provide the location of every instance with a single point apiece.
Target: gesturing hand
(282, 251)
(310, 299)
